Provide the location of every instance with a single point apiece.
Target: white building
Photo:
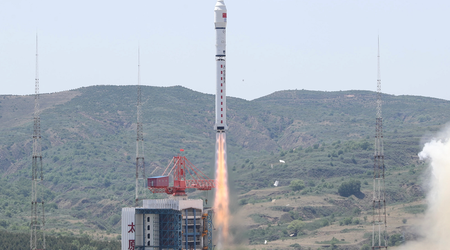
(167, 224)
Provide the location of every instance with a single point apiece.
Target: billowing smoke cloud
(435, 227)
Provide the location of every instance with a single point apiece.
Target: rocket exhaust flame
(221, 204)
(436, 224)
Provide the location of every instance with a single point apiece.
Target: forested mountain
(89, 146)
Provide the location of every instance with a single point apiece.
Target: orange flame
(221, 204)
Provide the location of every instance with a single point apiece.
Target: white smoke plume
(435, 227)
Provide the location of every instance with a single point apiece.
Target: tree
(365, 247)
(297, 185)
(347, 221)
(113, 220)
(395, 240)
(296, 246)
(334, 246)
(4, 223)
(296, 226)
(365, 145)
(86, 247)
(350, 187)
(76, 243)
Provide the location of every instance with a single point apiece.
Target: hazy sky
(272, 45)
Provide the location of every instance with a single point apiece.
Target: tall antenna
(37, 225)
(140, 164)
(379, 234)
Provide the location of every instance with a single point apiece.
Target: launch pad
(167, 224)
(180, 223)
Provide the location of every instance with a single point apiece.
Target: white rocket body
(220, 22)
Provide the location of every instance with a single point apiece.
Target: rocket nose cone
(220, 4)
(220, 14)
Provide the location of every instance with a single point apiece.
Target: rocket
(220, 22)
(222, 198)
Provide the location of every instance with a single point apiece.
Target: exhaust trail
(221, 203)
(436, 224)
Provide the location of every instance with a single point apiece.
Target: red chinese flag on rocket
(224, 15)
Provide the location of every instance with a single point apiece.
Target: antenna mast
(140, 164)
(37, 230)
(379, 235)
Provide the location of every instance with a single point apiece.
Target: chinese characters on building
(132, 230)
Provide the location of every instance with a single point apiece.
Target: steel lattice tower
(379, 235)
(37, 224)
(140, 164)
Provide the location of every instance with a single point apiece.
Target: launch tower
(37, 224)
(379, 235)
(181, 223)
(140, 163)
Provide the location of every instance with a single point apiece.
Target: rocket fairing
(220, 22)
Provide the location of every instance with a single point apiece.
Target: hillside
(89, 134)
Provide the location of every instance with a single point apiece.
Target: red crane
(185, 175)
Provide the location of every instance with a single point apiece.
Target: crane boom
(184, 175)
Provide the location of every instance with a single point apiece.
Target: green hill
(20, 241)
(89, 136)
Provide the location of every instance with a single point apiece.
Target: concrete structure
(167, 224)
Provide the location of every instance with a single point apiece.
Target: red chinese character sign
(129, 228)
(132, 229)
(130, 244)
